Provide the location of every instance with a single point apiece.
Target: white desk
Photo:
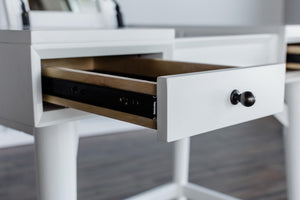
(187, 104)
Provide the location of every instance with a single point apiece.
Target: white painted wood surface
(196, 103)
(212, 109)
(56, 150)
(292, 140)
(292, 34)
(292, 128)
(86, 128)
(16, 86)
(182, 106)
(79, 35)
(20, 72)
(164, 192)
(237, 50)
(196, 192)
(181, 165)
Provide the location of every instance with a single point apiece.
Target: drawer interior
(120, 87)
(293, 56)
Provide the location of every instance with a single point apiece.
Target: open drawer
(179, 99)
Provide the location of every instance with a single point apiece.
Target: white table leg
(181, 165)
(56, 154)
(292, 141)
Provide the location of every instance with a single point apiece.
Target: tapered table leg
(292, 140)
(181, 165)
(56, 154)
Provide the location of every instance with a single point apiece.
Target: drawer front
(191, 104)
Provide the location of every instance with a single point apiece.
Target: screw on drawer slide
(120, 100)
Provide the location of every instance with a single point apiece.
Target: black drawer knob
(246, 98)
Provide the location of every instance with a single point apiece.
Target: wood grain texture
(105, 80)
(293, 49)
(150, 67)
(142, 121)
(86, 63)
(75, 69)
(131, 64)
(294, 66)
(246, 161)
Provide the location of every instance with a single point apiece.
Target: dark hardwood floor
(245, 161)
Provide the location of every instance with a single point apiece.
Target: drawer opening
(293, 57)
(120, 87)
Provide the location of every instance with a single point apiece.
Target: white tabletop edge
(51, 36)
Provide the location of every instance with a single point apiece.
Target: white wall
(292, 14)
(202, 12)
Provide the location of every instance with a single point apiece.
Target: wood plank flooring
(246, 161)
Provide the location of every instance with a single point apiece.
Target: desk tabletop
(52, 35)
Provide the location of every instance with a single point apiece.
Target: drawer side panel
(16, 93)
